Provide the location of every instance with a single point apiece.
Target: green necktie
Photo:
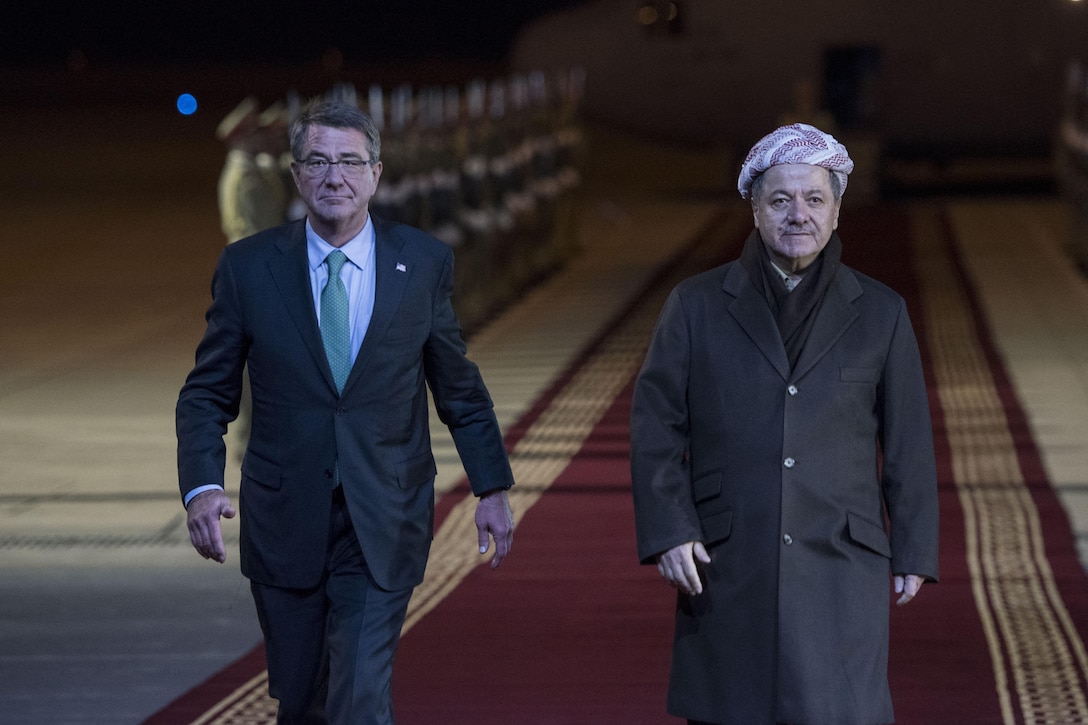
(335, 329)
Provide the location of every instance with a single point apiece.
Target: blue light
(186, 104)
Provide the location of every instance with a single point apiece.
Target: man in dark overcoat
(782, 461)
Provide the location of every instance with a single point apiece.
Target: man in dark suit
(779, 419)
(342, 319)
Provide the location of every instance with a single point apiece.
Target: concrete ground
(109, 234)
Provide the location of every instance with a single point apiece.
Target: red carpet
(576, 632)
(571, 630)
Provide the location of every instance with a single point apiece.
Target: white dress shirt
(357, 274)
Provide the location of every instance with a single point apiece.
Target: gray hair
(334, 115)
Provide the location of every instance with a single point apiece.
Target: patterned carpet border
(1037, 653)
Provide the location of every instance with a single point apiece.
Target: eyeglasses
(316, 167)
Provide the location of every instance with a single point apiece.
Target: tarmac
(110, 233)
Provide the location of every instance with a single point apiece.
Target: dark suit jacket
(778, 472)
(262, 314)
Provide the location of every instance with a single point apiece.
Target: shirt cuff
(199, 490)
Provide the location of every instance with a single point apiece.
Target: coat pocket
(714, 516)
(859, 375)
(416, 471)
(262, 472)
(717, 527)
(868, 534)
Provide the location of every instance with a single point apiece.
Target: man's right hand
(677, 566)
(203, 520)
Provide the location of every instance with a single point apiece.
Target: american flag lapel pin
(401, 267)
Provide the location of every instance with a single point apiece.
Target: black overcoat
(810, 488)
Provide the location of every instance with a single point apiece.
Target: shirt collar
(357, 248)
(790, 280)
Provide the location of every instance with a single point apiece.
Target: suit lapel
(391, 271)
(835, 314)
(291, 274)
(751, 312)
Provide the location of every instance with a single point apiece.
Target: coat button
(787, 539)
(789, 463)
(792, 390)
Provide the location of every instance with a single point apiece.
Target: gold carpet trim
(1038, 657)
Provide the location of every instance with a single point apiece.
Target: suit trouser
(330, 649)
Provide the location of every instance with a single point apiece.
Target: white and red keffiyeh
(796, 144)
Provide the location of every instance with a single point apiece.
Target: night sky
(44, 33)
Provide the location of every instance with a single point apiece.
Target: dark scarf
(794, 311)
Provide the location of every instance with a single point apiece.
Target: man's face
(337, 200)
(796, 212)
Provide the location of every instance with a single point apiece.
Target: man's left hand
(907, 585)
(495, 517)
(205, 531)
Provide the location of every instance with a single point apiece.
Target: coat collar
(750, 310)
(290, 270)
